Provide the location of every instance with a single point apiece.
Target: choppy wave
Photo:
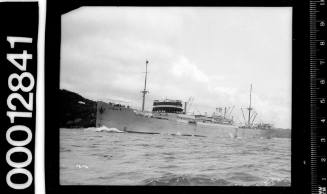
(243, 177)
(277, 182)
(186, 180)
(202, 180)
(104, 129)
(133, 159)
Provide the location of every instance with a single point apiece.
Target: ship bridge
(167, 106)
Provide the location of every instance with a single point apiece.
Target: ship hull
(126, 119)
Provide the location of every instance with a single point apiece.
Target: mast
(144, 90)
(250, 108)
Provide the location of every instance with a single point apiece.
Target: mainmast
(145, 91)
(250, 108)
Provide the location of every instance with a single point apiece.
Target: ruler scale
(317, 44)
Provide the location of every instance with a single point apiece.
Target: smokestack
(185, 106)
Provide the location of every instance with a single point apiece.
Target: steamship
(165, 114)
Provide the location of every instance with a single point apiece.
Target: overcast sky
(210, 54)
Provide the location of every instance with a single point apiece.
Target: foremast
(144, 92)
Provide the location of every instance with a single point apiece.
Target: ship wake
(104, 129)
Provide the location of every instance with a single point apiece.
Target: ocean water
(102, 156)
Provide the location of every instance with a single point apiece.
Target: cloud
(225, 90)
(211, 54)
(183, 68)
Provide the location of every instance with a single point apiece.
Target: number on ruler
(322, 190)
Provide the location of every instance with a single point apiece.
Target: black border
(300, 147)
(24, 24)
